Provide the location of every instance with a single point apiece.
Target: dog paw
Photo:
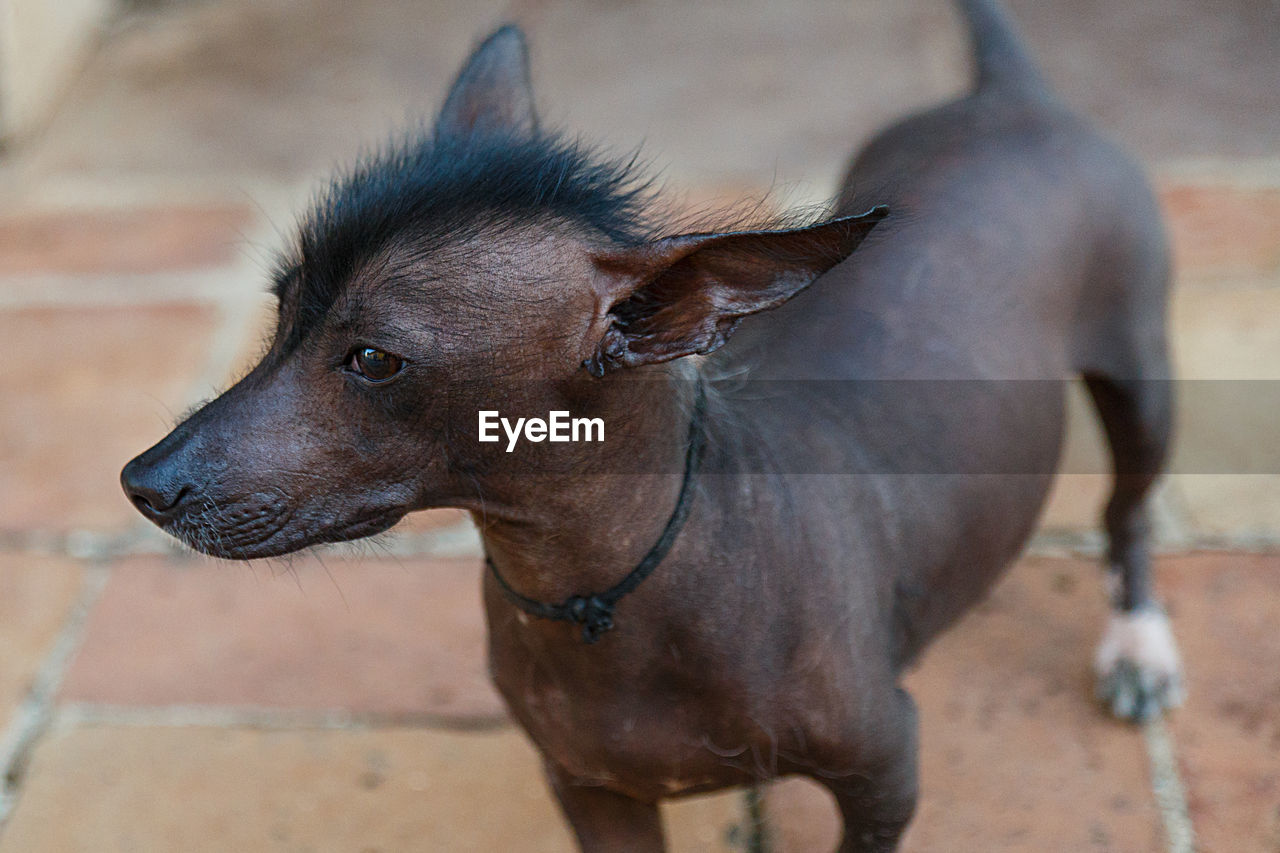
(1137, 666)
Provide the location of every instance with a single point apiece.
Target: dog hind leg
(1137, 663)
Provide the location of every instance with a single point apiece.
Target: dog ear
(492, 91)
(684, 295)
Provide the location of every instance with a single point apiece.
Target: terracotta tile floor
(150, 701)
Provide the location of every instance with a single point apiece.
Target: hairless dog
(728, 586)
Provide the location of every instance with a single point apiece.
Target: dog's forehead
(495, 268)
(507, 273)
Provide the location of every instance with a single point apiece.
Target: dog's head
(486, 265)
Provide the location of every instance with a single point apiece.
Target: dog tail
(1000, 60)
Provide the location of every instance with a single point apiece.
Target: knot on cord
(593, 614)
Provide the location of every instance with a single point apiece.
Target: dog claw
(1136, 694)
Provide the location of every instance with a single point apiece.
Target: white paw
(1137, 665)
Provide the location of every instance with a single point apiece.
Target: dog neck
(553, 536)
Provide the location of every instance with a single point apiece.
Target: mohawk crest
(426, 190)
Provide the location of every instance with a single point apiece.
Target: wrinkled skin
(771, 639)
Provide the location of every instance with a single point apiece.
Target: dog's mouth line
(273, 537)
(368, 525)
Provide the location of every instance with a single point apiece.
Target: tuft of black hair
(429, 189)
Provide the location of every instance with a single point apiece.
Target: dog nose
(157, 497)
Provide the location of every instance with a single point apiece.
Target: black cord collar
(595, 612)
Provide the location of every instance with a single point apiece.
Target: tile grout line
(1166, 785)
(78, 714)
(33, 717)
(1229, 172)
(128, 290)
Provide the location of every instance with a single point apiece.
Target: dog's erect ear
(684, 295)
(492, 91)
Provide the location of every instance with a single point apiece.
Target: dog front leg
(877, 794)
(605, 821)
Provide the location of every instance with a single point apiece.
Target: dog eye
(374, 364)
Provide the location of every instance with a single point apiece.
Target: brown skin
(771, 639)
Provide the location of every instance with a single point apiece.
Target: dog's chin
(286, 539)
